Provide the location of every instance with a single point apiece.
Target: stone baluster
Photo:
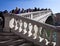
(25, 28)
(20, 28)
(31, 16)
(30, 30)
(35, 31)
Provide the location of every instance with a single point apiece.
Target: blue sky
(11, 4)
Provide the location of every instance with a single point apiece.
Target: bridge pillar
(57, 23)
(58, 37)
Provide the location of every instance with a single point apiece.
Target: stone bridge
(32, 27)
(40, 16)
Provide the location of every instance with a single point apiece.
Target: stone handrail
(33, 31)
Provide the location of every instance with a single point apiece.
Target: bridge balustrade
(36, 32)
(32, 15)
(40, 16)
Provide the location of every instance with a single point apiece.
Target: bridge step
(15, 42)
(27, 44)
(10, 39)
(6, 34)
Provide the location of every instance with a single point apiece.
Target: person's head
(5, 11)
(17, 8)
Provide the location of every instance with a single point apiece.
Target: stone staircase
(11, 39)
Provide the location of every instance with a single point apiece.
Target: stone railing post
(31, 16)
(58, 36)
(7, 19)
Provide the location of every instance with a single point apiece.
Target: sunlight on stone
(16, 26)
(11, 23)
(46, 41)
(24, 31)
(40, 30)
(25, 26)
(35, 31)
(54, 43)
(30, 30)
(41, 39)
(20, 28)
